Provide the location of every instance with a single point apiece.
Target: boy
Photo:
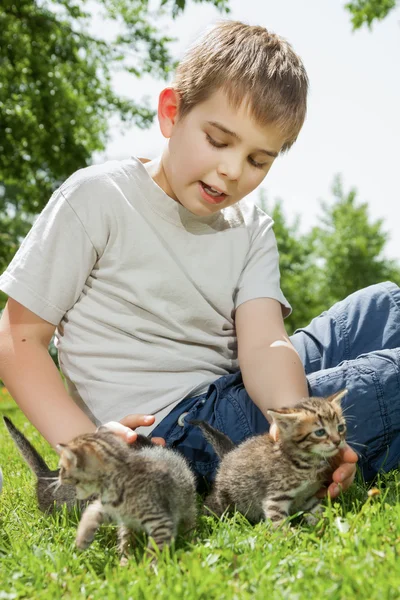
(159, 278)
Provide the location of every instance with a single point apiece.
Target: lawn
(351, 553)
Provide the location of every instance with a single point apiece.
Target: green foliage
(367, 11)
(341, 255)
(350, 247)
(177, 6)
(297, 264)
(56, 94)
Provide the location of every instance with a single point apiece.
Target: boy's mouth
(211, 194)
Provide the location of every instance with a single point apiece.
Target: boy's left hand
(344, 464)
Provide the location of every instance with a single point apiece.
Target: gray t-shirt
(142, 291)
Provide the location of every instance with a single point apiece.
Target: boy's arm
(34, 382)
(32, 378)
(272, 372)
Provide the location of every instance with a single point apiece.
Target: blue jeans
(353, 345)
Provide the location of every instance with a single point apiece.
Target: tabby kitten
(150, 488)
(50, 494)
(271, 479)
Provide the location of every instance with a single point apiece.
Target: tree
(56, 93)
(332, 260)
(350, 247)
(367, 11)
(300, 277)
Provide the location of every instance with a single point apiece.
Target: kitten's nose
(336, 440)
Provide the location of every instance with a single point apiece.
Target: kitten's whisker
(56, 484)
(359, 453)
(356, 443)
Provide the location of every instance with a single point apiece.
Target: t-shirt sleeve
(49, 271)
(260, 277)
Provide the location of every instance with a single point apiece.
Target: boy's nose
(231, 169)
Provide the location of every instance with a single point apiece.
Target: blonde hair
(252, 66)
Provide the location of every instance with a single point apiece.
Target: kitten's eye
(341, 428)
(320, 432)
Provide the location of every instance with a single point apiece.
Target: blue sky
(353, 123)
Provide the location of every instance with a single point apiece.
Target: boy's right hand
(126, 426)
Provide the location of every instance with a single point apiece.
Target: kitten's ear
(67, 457)
(283, 418)
(102, 429)
(337, 398)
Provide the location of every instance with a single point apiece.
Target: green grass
(356, 557)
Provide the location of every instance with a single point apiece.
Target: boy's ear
(168, 105)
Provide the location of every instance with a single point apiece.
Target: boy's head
(238, 100)
(252, 66)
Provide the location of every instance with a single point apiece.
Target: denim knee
(366, 321)
(371, 408)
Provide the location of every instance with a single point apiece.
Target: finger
(334, 490)
(348, 455)
(344, 472)
(125, 432)
(322, 492)
(346, 482)
(133, 421)
(337, 487)
(345, 455)
(159, 441)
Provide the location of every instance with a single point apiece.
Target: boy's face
(216, 155)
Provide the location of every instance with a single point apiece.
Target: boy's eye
(256, 164)
(214, 143)
(320, 432)
(341, 428)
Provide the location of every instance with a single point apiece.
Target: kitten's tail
(221, 443)
(31, 456)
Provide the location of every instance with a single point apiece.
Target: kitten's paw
(279, 524)
(123, 561)
(83, 543)
(313, 517)
(311, 520)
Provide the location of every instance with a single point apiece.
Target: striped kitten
(50, 494)
(150, 488)
(268, 479)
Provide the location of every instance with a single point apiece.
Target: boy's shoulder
(101, 177)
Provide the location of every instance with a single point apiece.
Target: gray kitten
(150, 488)
(268, 479)
(48, 495)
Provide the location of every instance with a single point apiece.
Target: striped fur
(271, 479)
(150, 488)
(49, 493)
